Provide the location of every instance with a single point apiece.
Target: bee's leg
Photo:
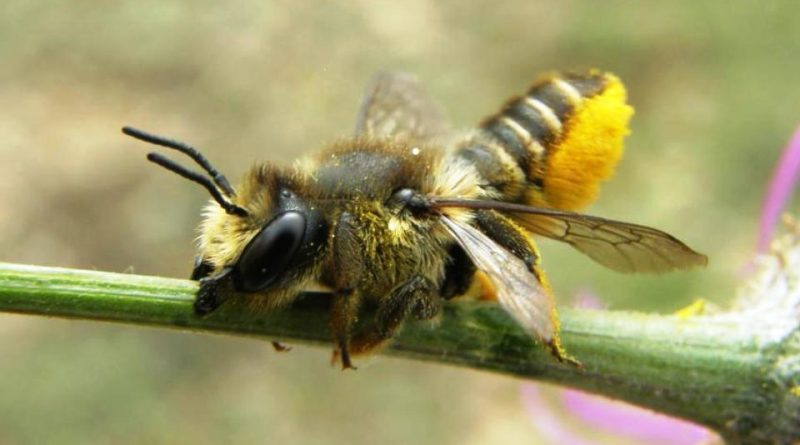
(280, 347)
(458, 274)
(201, 269)
(506, 233)
(344, 314)
(346, 272)
(213, 292)
(417, 296)
(514, 238)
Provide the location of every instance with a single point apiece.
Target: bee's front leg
(201, 269)
(345, 273)
(213, 292)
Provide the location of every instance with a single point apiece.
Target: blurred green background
(717, 93)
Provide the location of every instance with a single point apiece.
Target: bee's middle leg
(417, 297)
(344, 315)
(458, 273)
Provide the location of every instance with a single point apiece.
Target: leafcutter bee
(404, 213)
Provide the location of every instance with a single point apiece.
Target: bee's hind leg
(514, 238)
(506, 233)
(417, 297)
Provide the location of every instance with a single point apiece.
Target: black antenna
(191, 175)
(173, 166)
(219, 178)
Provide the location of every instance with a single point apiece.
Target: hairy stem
(716, 371)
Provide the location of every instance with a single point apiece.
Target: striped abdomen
(552, 146)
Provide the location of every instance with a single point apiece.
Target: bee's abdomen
(553, 145)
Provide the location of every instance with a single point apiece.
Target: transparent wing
(395, 104)
(518, 290)
(621, 246)
(618, 245)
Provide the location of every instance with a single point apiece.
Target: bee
(406, 212)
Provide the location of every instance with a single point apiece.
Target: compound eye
(267, 256)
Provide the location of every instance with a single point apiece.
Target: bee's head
(260, 239)
(280, 237)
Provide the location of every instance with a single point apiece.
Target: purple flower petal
(781, 186)
(551, 427)
(587, 299)
(629, 421)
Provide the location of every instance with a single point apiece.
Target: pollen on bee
(484, 289)
(590, 149)
(397, 229)
(415, 151)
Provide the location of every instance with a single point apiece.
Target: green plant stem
(708, 370)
